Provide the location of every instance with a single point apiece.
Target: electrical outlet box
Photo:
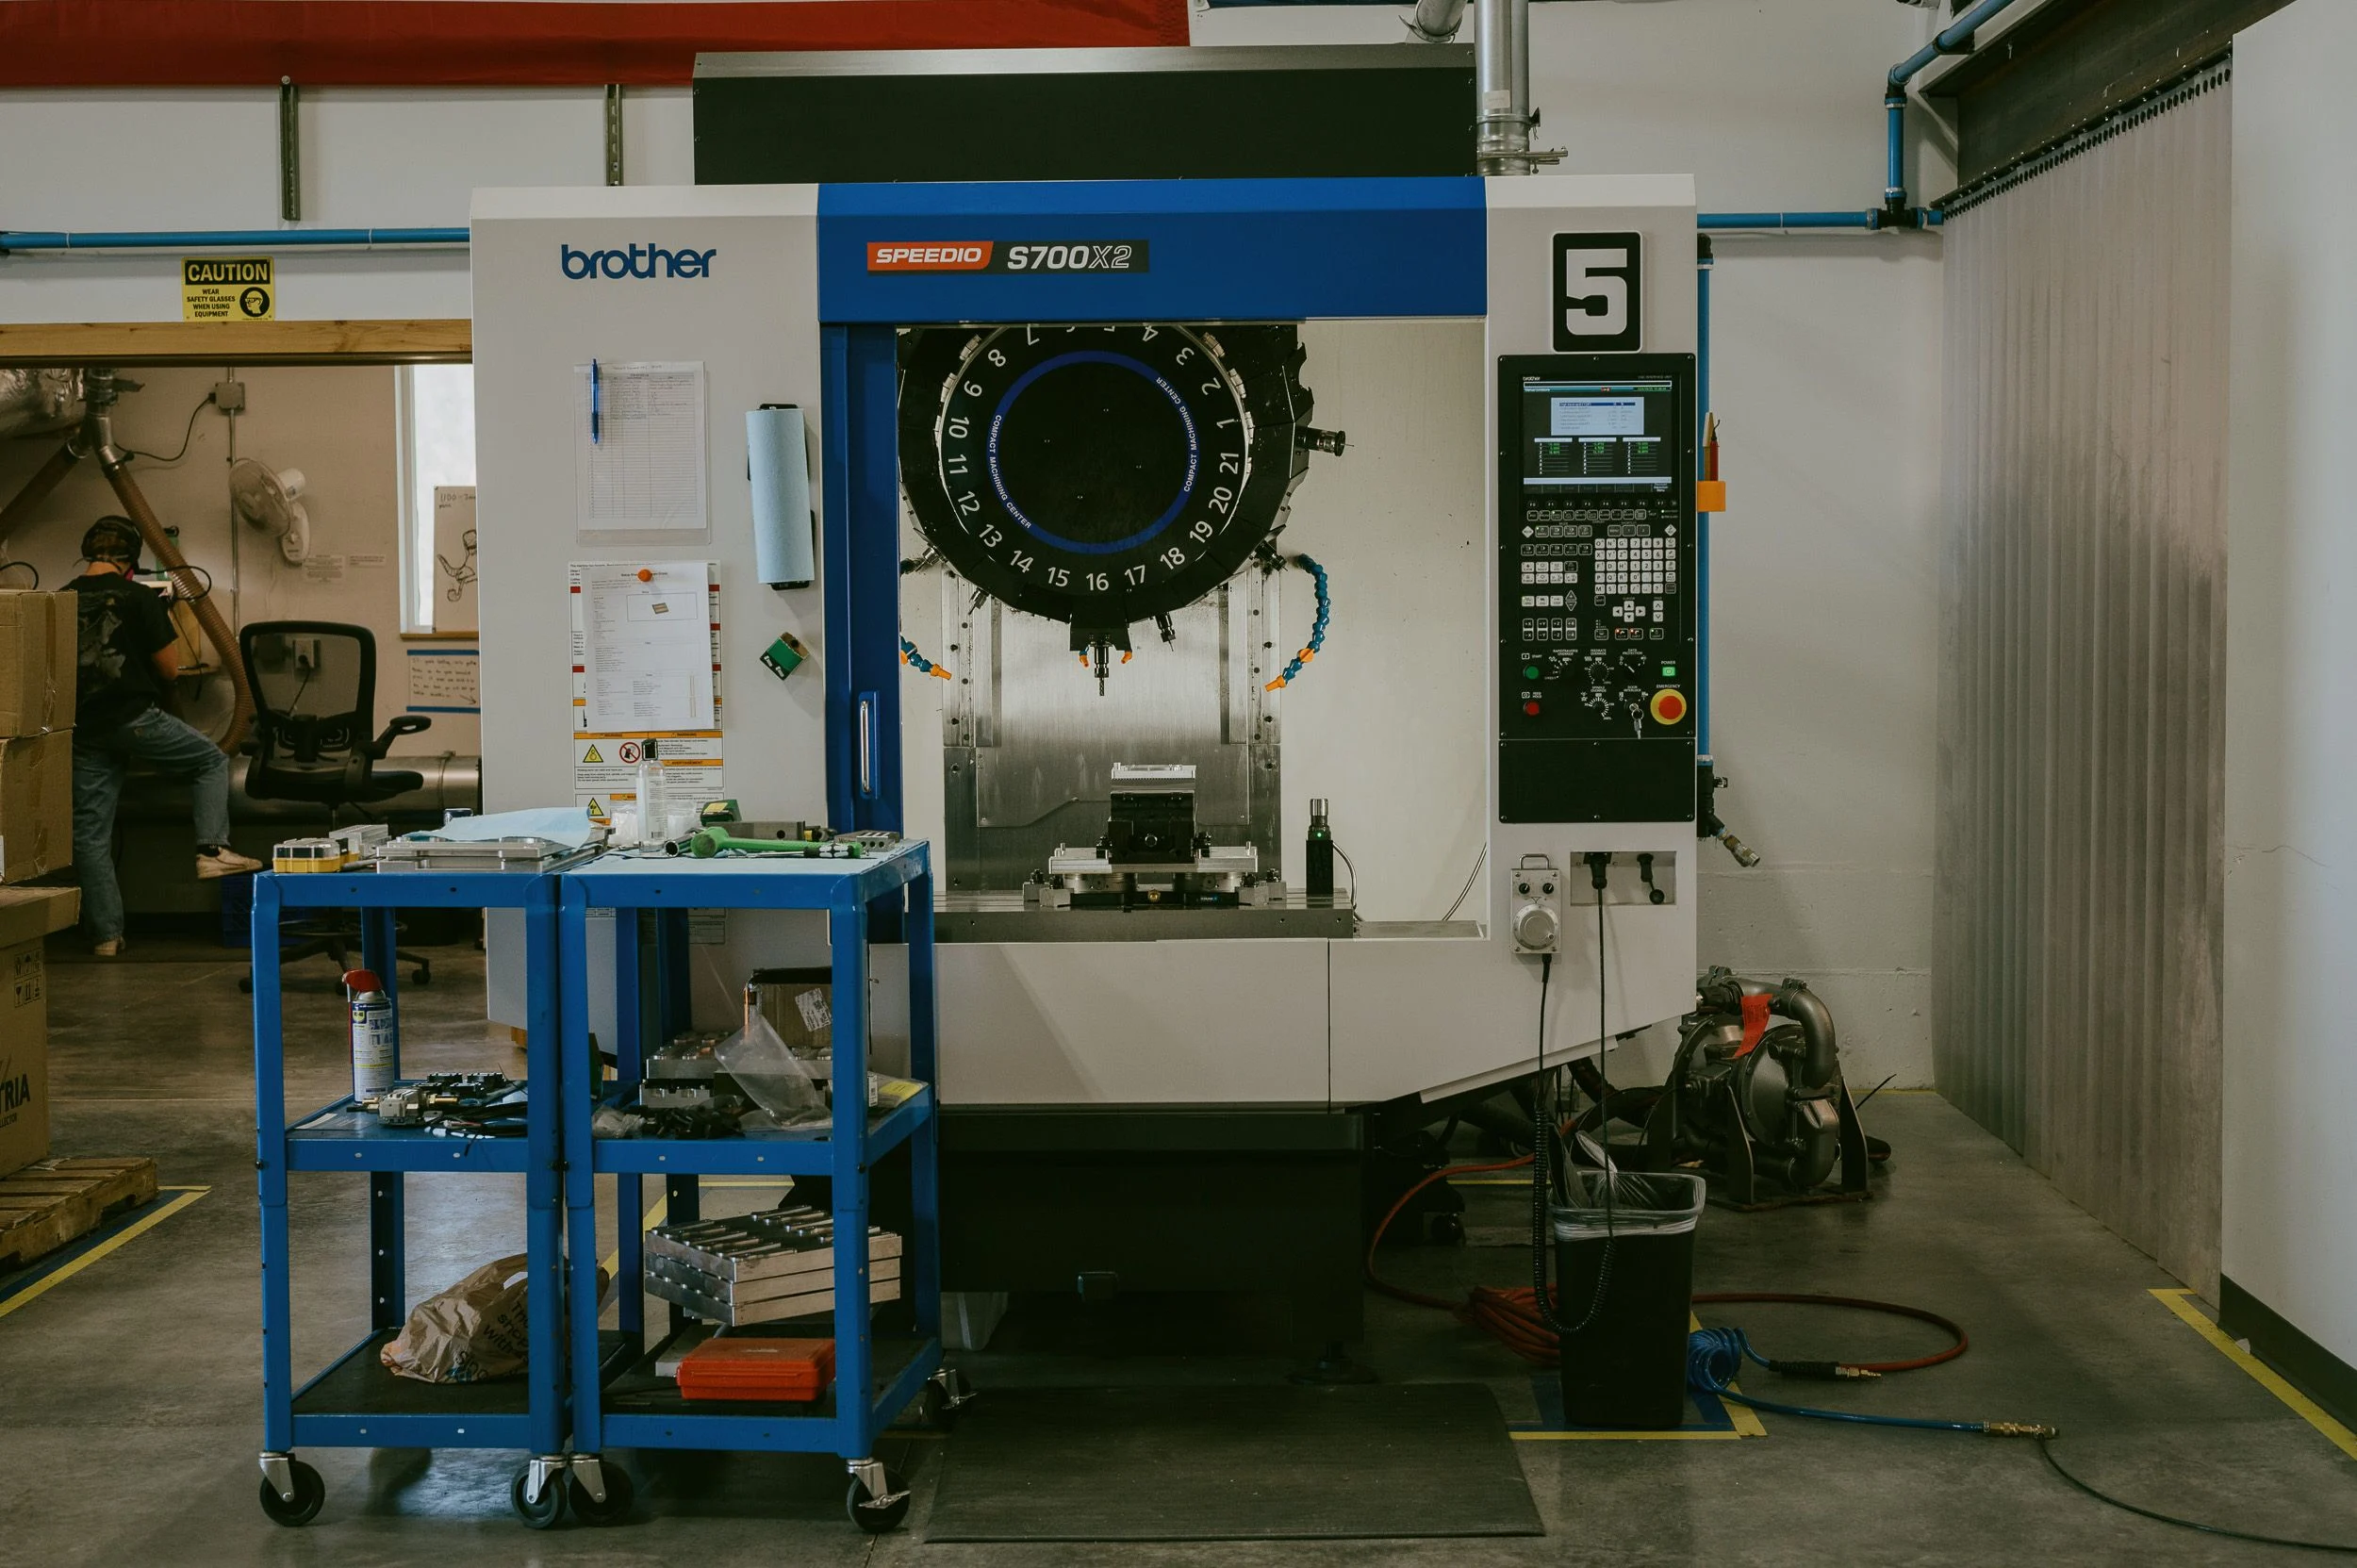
(229, 396)
(306, 654)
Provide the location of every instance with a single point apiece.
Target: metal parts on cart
(463, 1105)
(1756, 1094)
(762, 1267)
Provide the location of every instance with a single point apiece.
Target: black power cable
(2046, 1452)
(186, 436)
(1544, 1135)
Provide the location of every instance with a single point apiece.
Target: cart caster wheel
(936, 1408)
(619, 1495)
(874, 1517)
(422, 976)
(1448, 1230)
(310, 1493)
(245, 983)
(544, 1512)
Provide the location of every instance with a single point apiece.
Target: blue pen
(593, 403)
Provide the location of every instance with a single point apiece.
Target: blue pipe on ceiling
(198, 239)
(1956, 39)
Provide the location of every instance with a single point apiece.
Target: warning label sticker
(227, 289)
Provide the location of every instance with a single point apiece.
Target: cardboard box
(36, 806)
(39, 645)
(26, 915)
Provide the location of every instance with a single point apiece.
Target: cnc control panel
(1595, 585)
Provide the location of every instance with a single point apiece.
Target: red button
(1668, 707)
(1531, 708)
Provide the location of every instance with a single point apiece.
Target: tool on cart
(758, 1268)
(794, 1370)
(375, 1036)
(483, 1104)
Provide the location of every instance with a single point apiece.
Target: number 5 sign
(1598, 303)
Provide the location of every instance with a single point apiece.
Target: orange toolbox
(782, 1369)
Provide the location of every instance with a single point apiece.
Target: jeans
(163, 742)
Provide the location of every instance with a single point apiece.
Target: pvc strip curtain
(2080, 882)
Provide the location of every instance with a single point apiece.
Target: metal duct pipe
(1436, 21)
(1502, 87)
(40, 401)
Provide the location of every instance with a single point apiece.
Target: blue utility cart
(617, 1402)
(355, 1402)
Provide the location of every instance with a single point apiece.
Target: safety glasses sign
(227, 289)
(1006, 255)
(1598, 299)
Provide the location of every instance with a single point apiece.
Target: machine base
(1103, 1202)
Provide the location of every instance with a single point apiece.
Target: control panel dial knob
(1536, 928)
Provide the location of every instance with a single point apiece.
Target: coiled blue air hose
(1714, 1356)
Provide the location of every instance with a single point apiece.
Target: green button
(1530, 672)
(1668, 672)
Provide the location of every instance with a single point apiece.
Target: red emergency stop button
(1531, 708)
(1668, 706)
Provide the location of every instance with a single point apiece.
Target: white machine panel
(1133, 1023)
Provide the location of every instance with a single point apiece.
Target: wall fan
(271, 500)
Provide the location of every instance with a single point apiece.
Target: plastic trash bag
(766, 1068)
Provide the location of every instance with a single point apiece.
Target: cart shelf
(344, 1137)
(797, 1153)
(356, 1403)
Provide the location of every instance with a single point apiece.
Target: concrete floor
(129, 1412)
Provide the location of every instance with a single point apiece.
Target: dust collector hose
(217, 632)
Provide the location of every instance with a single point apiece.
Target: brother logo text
(636, 261)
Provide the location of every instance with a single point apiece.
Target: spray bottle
(375, 1039)
(653, 800)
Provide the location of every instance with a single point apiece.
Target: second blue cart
(884, 893)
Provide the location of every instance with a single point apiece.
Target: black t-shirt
(123, 627)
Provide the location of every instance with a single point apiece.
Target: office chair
(314, 686)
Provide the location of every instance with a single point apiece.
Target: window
(434, 407)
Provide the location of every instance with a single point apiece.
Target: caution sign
(227, 289)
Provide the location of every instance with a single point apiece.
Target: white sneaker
(224, 862)
(111, 948)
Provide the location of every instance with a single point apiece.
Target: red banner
(514, 42)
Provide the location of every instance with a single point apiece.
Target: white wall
(333, 423)
(2291, 739)
(1825, 372)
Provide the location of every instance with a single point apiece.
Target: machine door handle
(866, 705)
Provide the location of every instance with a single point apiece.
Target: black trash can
(1627, 1367)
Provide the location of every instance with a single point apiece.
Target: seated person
(129, 656)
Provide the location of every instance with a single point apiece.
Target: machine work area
(1176, 781)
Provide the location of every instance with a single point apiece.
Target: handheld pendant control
(1536, 914)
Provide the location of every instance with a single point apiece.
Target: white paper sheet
(644, 470)
(646, 647)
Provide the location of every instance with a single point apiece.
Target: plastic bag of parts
(470, 1333)
(767, 1070)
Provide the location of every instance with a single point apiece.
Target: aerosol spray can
(375, 1041)
(1320, 852)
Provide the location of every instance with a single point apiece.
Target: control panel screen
(1595, 587)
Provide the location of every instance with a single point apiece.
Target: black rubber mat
(1352, 1463)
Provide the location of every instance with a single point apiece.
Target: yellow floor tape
(2181, 1302)
(181, 1199)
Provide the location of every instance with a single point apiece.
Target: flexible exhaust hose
(135, 507)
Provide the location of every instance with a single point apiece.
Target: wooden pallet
(51, 1202)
